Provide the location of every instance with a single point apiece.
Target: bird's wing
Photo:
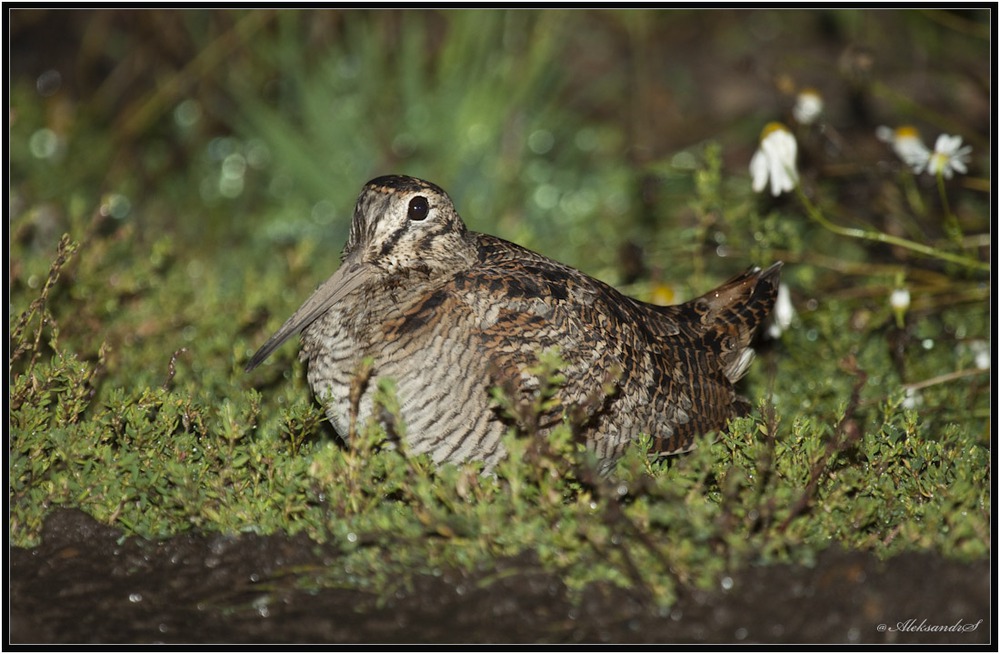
(626, 370)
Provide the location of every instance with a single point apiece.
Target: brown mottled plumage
(448, 314)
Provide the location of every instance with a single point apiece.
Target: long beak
(348, 278)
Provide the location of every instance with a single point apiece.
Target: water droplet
(234, 166)
(546, 197)
(258, 154)
(116, 205)
(230, 187)
(221, 147)
(579, 203)
(541, 141)
(135, 597)
(262, 605)
(726, 583)
(187, 113)
(44, 143)
(48, 82)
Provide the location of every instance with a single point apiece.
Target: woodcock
(449, 313)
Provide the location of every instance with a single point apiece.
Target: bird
(448, 314)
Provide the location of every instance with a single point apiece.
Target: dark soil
(85, 584)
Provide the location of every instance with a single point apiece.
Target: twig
(172, 368)
(947, 377)
(38, 307)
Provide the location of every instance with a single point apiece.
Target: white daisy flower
(899, 300)
(906, 143)
(949, 156)
(783, 312)
(808, 106)
(775, 160)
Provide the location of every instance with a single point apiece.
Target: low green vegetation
(145, 272)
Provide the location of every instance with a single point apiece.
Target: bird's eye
(418, 208)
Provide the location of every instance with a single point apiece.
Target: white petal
(776, 181)
(758, 170)
(947, 144)
(900, 299)
(885, 134)
(783, 309)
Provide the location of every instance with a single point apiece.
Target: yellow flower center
(771, 128)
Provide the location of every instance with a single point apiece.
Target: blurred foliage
(180, 181)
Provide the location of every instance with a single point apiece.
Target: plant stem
(881, 237)
(951, 221)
